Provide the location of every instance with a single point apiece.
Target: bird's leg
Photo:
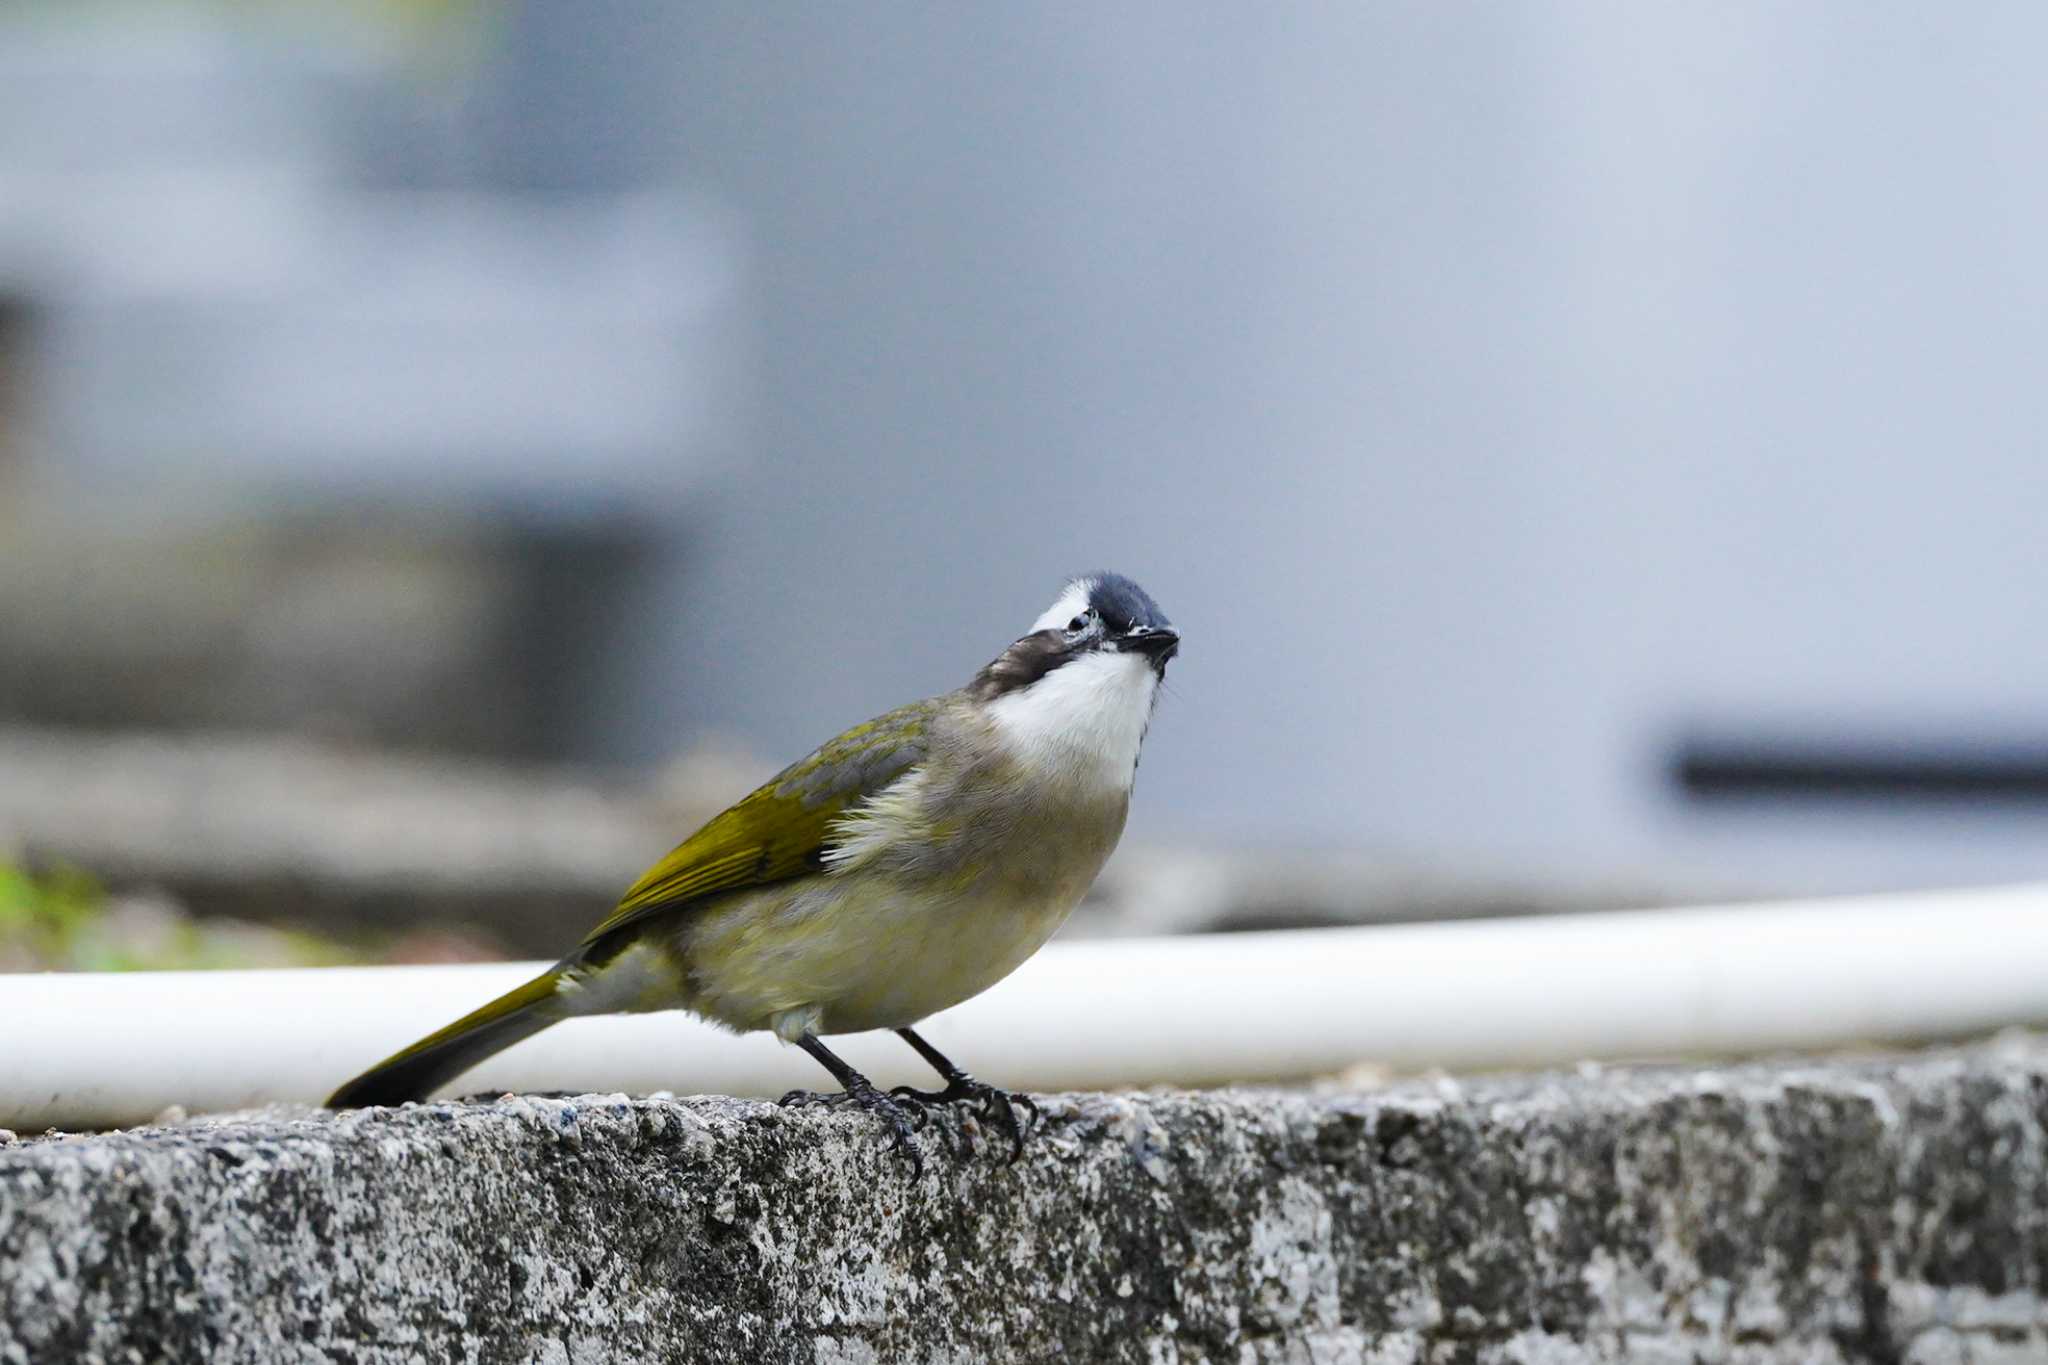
(998, 1106)
(860, 1092)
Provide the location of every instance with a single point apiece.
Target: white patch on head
(1084, 720)
(1071, 603)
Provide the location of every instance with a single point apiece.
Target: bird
(896, 870)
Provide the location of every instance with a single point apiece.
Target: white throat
(1084, 721)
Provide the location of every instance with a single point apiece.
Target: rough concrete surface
(1880, 1210)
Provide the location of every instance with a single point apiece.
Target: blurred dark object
(1815, 768)
(15, 330)
(408, 634)
(305, 425)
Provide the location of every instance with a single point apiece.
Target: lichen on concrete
(1882, 1210)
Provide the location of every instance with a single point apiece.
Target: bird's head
(1084, 678)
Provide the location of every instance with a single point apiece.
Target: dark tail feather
(416, 1072)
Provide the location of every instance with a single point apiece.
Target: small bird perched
(893, 872)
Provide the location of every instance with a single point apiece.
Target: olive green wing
(782, 828)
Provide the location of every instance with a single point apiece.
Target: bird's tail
(416, 1072)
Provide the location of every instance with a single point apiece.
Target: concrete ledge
(1888, 1210)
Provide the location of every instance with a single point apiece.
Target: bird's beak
(1157, 643)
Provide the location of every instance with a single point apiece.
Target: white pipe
(100, 1050)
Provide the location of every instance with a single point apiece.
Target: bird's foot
(864, 1096)
(999, 1107)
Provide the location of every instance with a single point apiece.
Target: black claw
(916, 1109)
(998, 1107)
(898, 1119)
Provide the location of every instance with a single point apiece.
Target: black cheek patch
(1021, 665)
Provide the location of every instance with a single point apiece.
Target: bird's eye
(1080, 623)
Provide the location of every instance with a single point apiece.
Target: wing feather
(784, 827)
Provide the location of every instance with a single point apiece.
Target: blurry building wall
(304, 422)
(1501, 398)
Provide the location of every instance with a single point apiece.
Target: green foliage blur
(42, 918)
(62, 920)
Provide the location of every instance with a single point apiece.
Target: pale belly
(833, 955)
(842, 955)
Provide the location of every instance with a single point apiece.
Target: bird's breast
(935, 911)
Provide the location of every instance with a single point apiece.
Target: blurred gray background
(1575, 439)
